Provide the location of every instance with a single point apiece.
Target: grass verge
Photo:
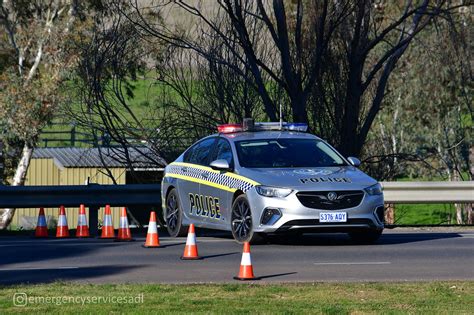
(450, 297)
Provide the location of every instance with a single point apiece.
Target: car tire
(365, 237)
(242, 222)
(174, 215)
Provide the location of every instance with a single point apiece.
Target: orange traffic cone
(246, 270)
(41, 229)
(124, 234)
(191, 250)
(107, 227)
(62, 230)
(82, 228)
(152, 239)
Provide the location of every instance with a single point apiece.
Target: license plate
(333, 217)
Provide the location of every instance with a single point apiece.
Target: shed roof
(140, 157)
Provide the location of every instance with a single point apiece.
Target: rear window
(276, 153)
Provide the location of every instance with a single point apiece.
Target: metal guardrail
(93, 196)
(428, 192)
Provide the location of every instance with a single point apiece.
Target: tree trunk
(6, 215)
(469, 207)
(458, 206)
(390, 214)
(470, 214)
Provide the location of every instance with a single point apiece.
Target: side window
(199, 153)
(224, 151)
(188, 154)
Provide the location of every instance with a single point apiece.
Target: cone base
(190, 258)
(151, 246)
(246, 279)
(63, 236)
(127, 240)
(106, 237)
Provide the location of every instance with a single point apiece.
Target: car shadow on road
(341, 239)
(334, 239)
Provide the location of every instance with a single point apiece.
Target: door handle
(205, 175)
(184, 169)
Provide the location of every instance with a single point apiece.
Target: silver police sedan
(273, 178)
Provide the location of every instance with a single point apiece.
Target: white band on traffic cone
(123, 222)
(62, 221)
(246, 261)
(107, 220)
(82, 221)
(191, 240)
(152, 228)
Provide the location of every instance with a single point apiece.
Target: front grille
(321, 199)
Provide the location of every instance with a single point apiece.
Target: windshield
(275, 153)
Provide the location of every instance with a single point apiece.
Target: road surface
(400, 255)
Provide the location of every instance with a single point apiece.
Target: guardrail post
(94, 221)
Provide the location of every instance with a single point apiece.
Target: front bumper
(296, 217)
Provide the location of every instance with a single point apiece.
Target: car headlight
(374, 189)
(273, 191)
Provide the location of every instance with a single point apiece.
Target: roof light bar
(229, 128)
(267, 126)
(262, 126)
(302, 127)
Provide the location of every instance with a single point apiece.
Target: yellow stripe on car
(218, 179)
(200, 181)
(208, 169)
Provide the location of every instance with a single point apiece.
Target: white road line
(37, 268)
(354, 263)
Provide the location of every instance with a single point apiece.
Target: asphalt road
(400, 255)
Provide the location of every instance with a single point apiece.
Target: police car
(258, 178)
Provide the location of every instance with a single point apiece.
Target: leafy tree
(36, 60)
(428, 113)
(329, 61)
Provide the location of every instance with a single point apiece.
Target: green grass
(424, 214)
(312, 298)
(145, 93)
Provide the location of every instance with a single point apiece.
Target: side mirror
(220, 165)
(354, 161)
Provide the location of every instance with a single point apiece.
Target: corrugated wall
(45, 172)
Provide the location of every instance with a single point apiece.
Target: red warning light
(229, 128)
